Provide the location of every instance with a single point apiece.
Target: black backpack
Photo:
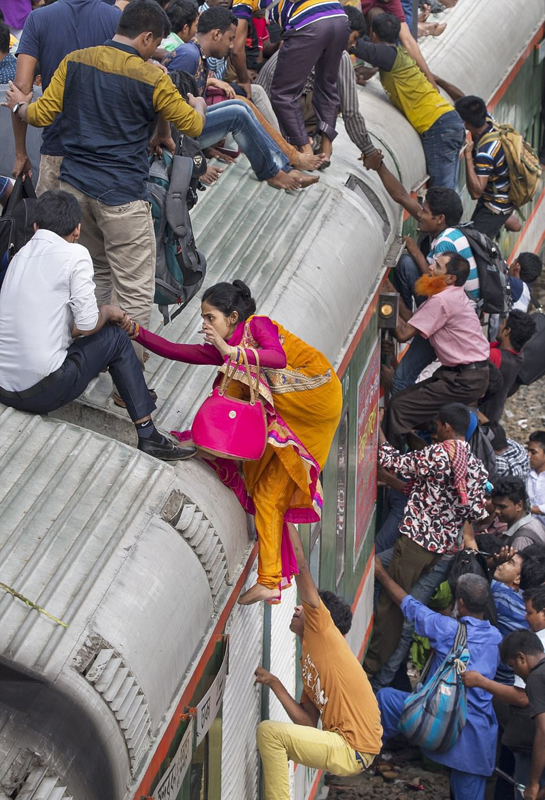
(493, 271)
(17, 222)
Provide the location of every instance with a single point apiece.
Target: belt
(463, 367)
(33, 390)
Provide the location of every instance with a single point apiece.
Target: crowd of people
(464, 515)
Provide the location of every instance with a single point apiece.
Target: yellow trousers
(271, 494)
(280, 742)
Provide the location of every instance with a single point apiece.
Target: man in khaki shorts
(109, 97)
(335, 690)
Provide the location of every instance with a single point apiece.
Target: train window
(371, 199)
(342, 476)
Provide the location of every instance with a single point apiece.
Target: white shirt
(518, 681)
(535, 486)
(48, 288)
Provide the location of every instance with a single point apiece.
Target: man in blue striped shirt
(438, 217)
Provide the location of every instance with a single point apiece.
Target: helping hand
(505, 554)
(411, 245)
(471, 679)
(373, 161)
(264, 676)
(15, 95)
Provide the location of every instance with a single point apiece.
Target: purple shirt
(15, 12)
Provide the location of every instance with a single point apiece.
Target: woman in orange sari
(303, 400)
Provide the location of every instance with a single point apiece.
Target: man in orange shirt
(335, 690)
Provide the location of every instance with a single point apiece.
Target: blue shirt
(510, 607)
(475, 750)
(7, 68)
(4, 184)
(189, 57)
(51, 32)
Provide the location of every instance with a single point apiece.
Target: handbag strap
(460, 641)
(252, 383)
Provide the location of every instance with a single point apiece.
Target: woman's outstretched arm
(189, 353)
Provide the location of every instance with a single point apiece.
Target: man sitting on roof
(54, 339)
(215, 34)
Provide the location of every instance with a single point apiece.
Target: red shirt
(388, 6)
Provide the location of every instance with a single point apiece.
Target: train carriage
(149, 692)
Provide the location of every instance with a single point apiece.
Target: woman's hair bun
(243, 289)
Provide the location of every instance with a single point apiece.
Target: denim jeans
(404, 277)
(422, 591)
(236, 118)
(86, 357)
(389, 530)
(442, 144)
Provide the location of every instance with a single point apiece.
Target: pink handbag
(232, 428)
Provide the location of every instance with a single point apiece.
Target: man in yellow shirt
(336, 692)
(440, 127)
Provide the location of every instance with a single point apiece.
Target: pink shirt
(449, 321)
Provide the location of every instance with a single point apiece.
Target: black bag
(472, 562)
(17, 222)
(533, 352)
(493, 271)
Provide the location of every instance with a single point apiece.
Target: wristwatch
(16, 108)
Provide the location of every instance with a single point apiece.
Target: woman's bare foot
(256, 594)
(292, 180)
(308, 161)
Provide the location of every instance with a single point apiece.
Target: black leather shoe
(166, 450)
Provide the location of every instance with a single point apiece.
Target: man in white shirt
(54, 338)
(535, 482)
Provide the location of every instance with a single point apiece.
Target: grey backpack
(180, 266)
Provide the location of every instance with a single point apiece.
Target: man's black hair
(181, 13)
(512, 488)
(4, 38)
(499, 442)
(538, 437)
(216, 18)
(537, 596)
(457, 265)
(387, 28)
(474, 590)
(530, 267)
(489, 543)
(356, 20)
(522, 328)
(522, 641)
(445, 201)
(141, 16)
(57, 211)
(532, 572)
(472, 110)
(456, 415)
(340, 610)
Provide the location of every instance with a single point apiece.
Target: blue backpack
(435, 713)
(180, 267)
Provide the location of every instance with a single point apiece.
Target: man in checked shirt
(448, 486)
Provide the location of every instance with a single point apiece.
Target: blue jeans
(463, 785)
(389, 530)
(442, 144)
(86, 357)
(422, 591)
(236, 118)
(420, 352)
(407, 6)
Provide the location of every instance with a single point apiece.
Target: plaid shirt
(434, 514)
(513, 461)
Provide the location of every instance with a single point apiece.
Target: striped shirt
(290, 15)
(451, 239)
(490, 162)
(348, 96)
(513, 461)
